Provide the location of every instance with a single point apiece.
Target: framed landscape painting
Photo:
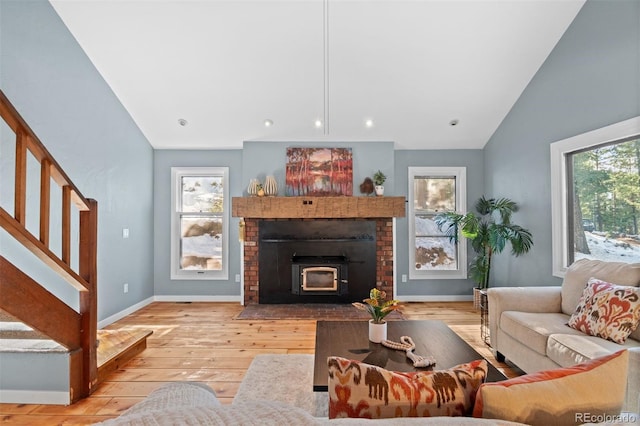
(319, 171)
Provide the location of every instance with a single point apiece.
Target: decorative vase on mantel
(270, 186)
(252, 190)
(377, 331)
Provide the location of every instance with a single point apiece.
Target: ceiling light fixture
(182, 122)
(318, 124)
(453, 122)
(368, 123)
(268, 123)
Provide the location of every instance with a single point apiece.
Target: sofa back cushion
(578, 274)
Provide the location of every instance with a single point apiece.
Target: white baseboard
(34, 397)
(434, 298)
(131, 309)
(177, 298)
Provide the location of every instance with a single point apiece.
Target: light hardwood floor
(203, 342)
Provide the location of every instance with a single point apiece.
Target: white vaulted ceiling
(411, 67)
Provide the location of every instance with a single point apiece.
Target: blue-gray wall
(590, 80)
(164, 160)
(473, 161)
(255, 160)
(261, 159)
(56, 88)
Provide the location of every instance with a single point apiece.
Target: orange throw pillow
(564, 396)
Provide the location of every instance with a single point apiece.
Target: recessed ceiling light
(268, 123)
(182, 122)
(453, 122)
(368, 123)
(317, 123)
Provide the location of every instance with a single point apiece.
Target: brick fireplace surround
(380, 209)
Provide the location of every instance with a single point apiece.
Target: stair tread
(30, 345)
(114, 342)
(19, 330)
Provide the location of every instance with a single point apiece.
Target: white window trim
(461, 202)
(559, 151)
(176, 273)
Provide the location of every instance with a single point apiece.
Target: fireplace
(264, 276)
(319, 261)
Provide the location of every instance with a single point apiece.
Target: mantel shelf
(318, 207)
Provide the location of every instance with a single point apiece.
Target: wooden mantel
(318, 207)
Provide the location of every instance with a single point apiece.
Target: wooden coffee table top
(350, 339)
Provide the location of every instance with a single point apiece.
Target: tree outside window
(433, 190)
(605, 195)
(199, 223)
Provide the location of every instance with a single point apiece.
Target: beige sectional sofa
(528, 325)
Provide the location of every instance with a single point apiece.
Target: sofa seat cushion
(533, 329)
(570, 349)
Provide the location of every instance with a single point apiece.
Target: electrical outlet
(237, 278)
(126, 287)
(404, 278)
(125, 232)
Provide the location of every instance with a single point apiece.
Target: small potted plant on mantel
(489, 232)
(378, 308)
(378, 179)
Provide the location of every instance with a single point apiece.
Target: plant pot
(377, 332)
(379, 190)
(478, 294)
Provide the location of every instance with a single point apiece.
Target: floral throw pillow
(607, 310)
(361, 390)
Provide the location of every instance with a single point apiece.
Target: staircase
(49, 351)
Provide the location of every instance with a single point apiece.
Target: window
(595, 189)
(199, 222)
(431, 254)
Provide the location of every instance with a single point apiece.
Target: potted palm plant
(489, 231)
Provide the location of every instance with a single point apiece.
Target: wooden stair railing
(26, 299)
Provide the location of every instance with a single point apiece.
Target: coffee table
(350, 339)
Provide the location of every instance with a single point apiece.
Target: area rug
(309, 311)
(283, 378)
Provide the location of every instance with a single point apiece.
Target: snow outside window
(199, 223)
(595, 182)
(433, 190)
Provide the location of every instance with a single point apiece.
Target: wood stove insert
(319, 275)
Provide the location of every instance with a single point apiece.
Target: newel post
(89, 299)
